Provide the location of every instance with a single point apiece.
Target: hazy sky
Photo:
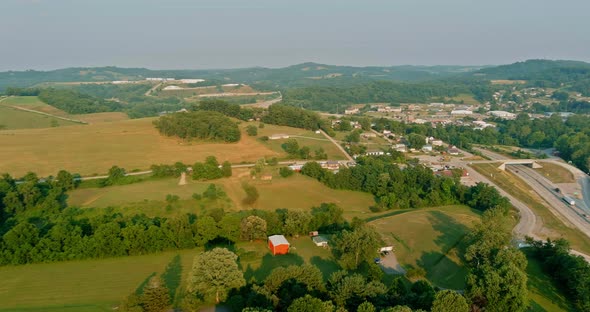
(49, 34)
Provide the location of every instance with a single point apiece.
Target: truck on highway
(570, 201)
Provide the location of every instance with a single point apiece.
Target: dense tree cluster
(283, 115)
(204, 125)
(570, 272)
(412, 187)
(211, 170)
(497, 279)
(227, 109)
(77, 103)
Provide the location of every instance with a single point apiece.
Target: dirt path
(337, 145)
(152, 89)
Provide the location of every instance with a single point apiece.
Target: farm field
(89, 285)
(431, 238)
(543, 293)
(13, 119)
(304, 137)
(519, 189)
(93, 149)
(556, 173)
(100, 285)
(32, 102)
(297, 192)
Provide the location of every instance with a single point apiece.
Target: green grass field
(93, 149)
(11, 118)
(297, 192)
(100, 285)
(519, 189)
(431, 238)
(304, 137)
(543, 293)
(556, 173)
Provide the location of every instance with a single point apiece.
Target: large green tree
(449, 301)
(156, 297)
(310, 304)
(215, 273)
(354, 247)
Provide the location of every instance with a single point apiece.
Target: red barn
(278, 244)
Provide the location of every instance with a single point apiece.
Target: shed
(266, 177)
(278, 245)
(320, 241)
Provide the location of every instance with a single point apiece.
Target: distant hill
(301, 75)
(531, 69)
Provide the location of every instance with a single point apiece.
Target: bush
(197, 196)
(251, 130)
(285, 172)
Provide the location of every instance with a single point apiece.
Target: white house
(427, 148)
(351, 111)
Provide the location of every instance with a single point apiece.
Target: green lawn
(431, 238)
(100, 285)
(93, 285)
(543, 293)
(304, 137)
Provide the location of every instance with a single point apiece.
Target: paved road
(152, 89)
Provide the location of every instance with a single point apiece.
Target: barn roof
(278, 240)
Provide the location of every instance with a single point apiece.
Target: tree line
(205, 125)
(414, 186)
(77, 103)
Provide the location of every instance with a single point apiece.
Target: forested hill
(306, 74)
(572, 75)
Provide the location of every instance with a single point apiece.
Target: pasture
(93, 149)
(13, 119)
(297, 192)
(101, 285)
(430, 238)
(304, 137)
(33, 103)
(554, 227)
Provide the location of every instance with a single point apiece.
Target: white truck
(570, 201)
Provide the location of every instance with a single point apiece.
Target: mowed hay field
(297, 192)
(431, 238)
(33, 103)
(93, 149)
(12, 118)
(304, 138)
(90, 285)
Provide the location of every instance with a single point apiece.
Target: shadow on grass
(269, 263)
(172, 276)
(139, 290)
(326, 266)
(440, 268)
(389, 214)
(540, 284)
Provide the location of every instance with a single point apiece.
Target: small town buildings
(191, 80)
(330, 165)
(427, 148)
(375, 153)
(502, 114)
(368, 135)
(296, 167)
(461, 112)
(400, 148)
(320, 241)
(278, 245)
(278, 136)
(454, 151)
(351, 111)
(435, 142)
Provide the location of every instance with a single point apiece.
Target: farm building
(278, 245)
(278, 136)
(330, 165)
(266, 177)
(454, 151)
(296, 167)
(320, 241)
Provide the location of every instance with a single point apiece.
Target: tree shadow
(327, 267)
(172, 276)
(139, 289)
(270, 262)
(440, 268)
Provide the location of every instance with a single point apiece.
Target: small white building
(502, 114)
(461, 112)
(375, 153)
(351, 111)
(168, 88)
(427, 148)
(368, 135)
(278, 136)
(400, 148)
(191, 80)
(436, 142)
